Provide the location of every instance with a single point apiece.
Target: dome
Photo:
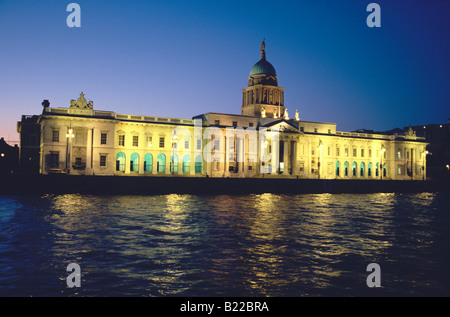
(263, 67)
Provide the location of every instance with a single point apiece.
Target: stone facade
(263, 141)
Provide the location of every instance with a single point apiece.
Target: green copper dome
(263, 67)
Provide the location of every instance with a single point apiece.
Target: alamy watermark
(374, 278)
(74, 18)
(74, 278)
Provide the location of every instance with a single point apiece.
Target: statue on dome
(296, 115)
(263, 47)
(286, 115)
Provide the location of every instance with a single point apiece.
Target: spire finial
(263, 52)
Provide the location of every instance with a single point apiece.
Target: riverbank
(132, 185)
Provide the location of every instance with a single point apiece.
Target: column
(89, 152)
(286, 157)
(225, 156)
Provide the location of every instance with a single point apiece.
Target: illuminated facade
(263, 141)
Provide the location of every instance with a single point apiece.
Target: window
(329, 131)
(370, 152)
(54, 160)
(103, 138)
(337, 168)
(161, 163)
(217, 122)
(149, 141)
(199, 144)
(78, 161)
(362, 168)
(186, 144)
(354, 169)
(346, 151)
(103, 160)
(399, 154)
(302, 129)
(135, 140)
(337, 151)
(198, 164)
(302, 167)
(217, 145)
(315, 130)
(235, 124)
(250, 124)
(346, 169)
(121, 140)
(329, 151)
(148, 162)
(174, 164)
(312, 151)
(354, 152)
(362, 152)
(186, 164)
(161, 142)
(120, 162)
(369, 169)
(134, 162)
(55, 136)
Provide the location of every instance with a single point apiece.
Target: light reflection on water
(253, 245)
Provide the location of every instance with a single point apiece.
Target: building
(262, 141)
(438, 138)
(9, 157)
(30, 136)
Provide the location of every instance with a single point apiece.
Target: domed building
(262, 141)
(263, 96)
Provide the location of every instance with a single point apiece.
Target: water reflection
(253, 245)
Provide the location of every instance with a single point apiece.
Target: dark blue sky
(183, 58)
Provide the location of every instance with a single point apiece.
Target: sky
(179, 59)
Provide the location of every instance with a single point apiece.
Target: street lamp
(383, 150)
(319, 154)
(70, 135)
(174, 141)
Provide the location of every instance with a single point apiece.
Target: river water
(252, 245)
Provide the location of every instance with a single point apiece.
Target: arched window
(161, 163)
(345, 168)
(120, 162)
(362, 167)
(186, 164)
(174, 163)
(377, 169)
(148, 162)
(337, 168)
(354, 169)
(369, 169)
(198, 164)
(134, 162)
(384, 170)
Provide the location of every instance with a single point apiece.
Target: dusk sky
(183, 58)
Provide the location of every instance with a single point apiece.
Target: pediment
(283, 126)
